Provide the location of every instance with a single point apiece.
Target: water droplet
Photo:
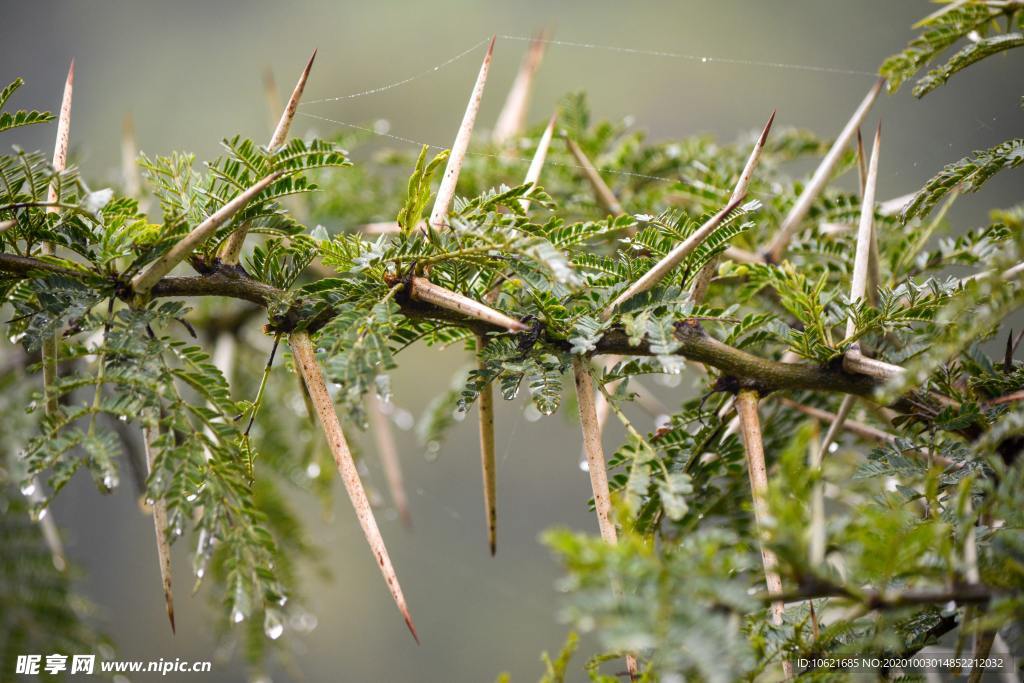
(704, 60)
(31, 406)
(272, 625)
(28, 488)
(109, 481)
(237, 616)
(38, 514)
(191, 497)
(381, 126)
(312, 470)
(122, 418)
(584, 465)
(200, 572)
(833, 447)
(404, 420)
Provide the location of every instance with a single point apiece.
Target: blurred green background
(189, 72)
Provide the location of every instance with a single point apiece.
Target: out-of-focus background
(190, 72)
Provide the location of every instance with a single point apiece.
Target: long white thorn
(665, 266)
(305, 358)
(387, 450)
(602, 193)
(862, 258)
(539, 157)
(791, 223)
(750, 426)
(446, 191)
(129, 159)
(159, 510)
(703, 279)
(231, 250)
(512, 118)
(424, 290)
(60, 147)
(144, 281)
(485, 407)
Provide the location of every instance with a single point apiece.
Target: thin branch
(144, 281)
(159, 510)
(748, 370)
(384, 437)
(422, 289)
(859, 428)
(889, 599)
(485, 407)
(305, 357)
(539, 157)
(703, 279)
(512, 118)
(667, 264)
(446, 191)
(602, 193)
(791, 224)
(750, 426)
(231, 250)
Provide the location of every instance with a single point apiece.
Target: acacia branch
(740, 368)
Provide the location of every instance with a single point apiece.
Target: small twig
(602, 193)
(144, 281)
(512, 118)
(258, 401)
(539, 157)
(485, 406)
(305, 358)
(791, 224)
(384, 438)
(666, 265)
(159, 511)
(422, 289)
(446, 191)
(231, 250)
(750, 426)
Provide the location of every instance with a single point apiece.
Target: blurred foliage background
(190, 72)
